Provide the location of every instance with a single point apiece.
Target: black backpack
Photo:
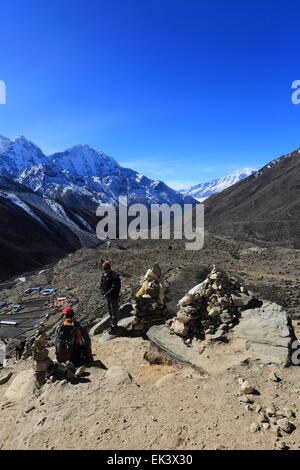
(65, 343)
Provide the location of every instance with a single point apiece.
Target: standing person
(110, 287)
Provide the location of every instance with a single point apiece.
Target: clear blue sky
(181, 90)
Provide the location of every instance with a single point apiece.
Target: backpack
(65, 343)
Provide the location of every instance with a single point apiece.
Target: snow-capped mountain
(203, 190)
(80, 176)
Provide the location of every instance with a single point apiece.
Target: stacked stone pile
(42, 364)
(210, 308)
(149, 306)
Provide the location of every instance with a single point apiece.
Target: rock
(182, 317)
(268, 332)
(180, 328)
(214, 311)
(285, 425)
(258, 408)
(271, 410)
(266, 426)
(21, 387)
(245, 399)
(240, 300)
(280, 445)
(118, 375)
(288, 413)
(42, 366)
(5, 378)
(125, 310)
(218, 336)
(101, 326)
(247, 388)
(275, 429)
(263, 418)
(254, 428)
(274, 377)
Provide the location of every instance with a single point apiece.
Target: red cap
(68, 311)
(106, 263)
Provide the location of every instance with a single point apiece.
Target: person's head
(68, 312)
(106, 267)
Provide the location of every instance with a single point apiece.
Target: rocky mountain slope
(203, 190)
(32, 234)
(152, 402)
(264, 207)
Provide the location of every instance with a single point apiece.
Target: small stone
(240, 380)
(258, 408)
(270, 410)
(245, 399)
(254, 428)
(280, 445)
(266, 426)
(285, 425)
(247, 388)
(288, 413)
(275, 429)
(262, 418)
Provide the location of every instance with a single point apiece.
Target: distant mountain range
(202, 191)
(48, 203)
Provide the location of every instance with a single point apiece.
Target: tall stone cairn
(149, 305)
(210, 308)
(42, 364)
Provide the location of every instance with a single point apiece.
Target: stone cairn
(149, 306)
(42, 364)
(210, 308)
(27, 350)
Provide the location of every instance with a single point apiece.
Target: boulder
(268, 333)
(240, 300)
(21, 387)
(117, 375)
(125, 310)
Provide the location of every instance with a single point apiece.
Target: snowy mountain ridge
(203, 190)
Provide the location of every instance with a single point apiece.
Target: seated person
(72, 341)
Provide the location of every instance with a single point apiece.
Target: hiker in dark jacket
(19, 350)
(110, 287)
(72, 341)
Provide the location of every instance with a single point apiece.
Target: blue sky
(183, 91)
